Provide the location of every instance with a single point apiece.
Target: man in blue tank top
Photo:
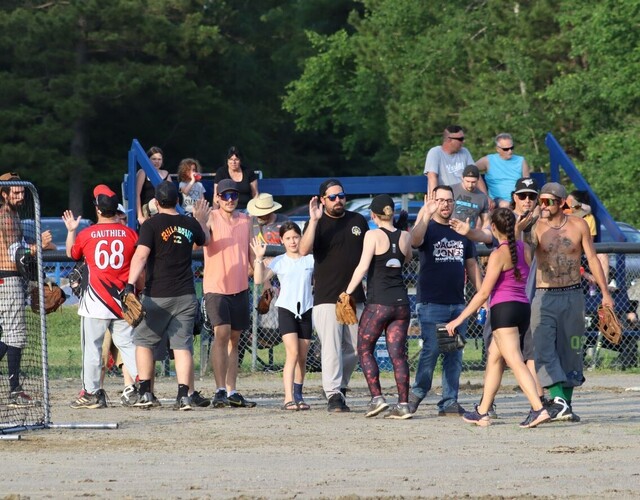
(502, 170)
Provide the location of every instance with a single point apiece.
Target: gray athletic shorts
(228, 309)
(169, 318)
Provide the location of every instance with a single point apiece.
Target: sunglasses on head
(229, 195)
(530, 196)
(332, 197)
(549, 202)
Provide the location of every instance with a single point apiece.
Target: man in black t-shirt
(335, 237)
(446, 258)
(164, 247)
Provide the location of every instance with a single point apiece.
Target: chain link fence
(261, 346)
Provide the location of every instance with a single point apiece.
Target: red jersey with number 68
(107, 249)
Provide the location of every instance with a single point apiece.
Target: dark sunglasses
(229, 195)
(332, 197)
(461, 139)
(531, 196)
(549, 202)
(507, 149)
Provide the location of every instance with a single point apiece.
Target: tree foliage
(315, 87)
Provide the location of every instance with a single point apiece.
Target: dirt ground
(268, 453)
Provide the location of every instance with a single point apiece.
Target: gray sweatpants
(557, 324)
(338, 347)
(92, 330)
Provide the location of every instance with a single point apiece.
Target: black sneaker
(336, 404)
(183, 404)
(535, 418)
(220, 400)
(236, 400)
(145, 401)
(102, 398)
(401, 411)
(376, 405)
(414, 402)
(129, 396)
(559, 410)
(199, 401)
(453, 410)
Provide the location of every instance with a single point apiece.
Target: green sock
(568, 394)
(556, 391)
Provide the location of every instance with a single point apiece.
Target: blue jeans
(429, 315)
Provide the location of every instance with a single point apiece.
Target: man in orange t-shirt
(226, 290)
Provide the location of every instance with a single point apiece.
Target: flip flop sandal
(303, 406)
(290, 406)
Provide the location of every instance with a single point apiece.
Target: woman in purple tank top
(504, 282)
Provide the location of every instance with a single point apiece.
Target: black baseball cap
(526, 185)
(166, 194)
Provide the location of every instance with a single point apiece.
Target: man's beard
(336, 211)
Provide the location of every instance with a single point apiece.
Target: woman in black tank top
(385, 250)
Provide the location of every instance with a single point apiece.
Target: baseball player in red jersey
(107, 248)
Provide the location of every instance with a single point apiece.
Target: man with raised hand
(107, 248)
(335, 236)
(446, 259)
(557, 309)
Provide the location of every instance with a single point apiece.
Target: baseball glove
(132, 310)
(53, 295)
(446, 342)
(609, 325)
(346, 310)
(265, 301)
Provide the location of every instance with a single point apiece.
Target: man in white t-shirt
(445, 163)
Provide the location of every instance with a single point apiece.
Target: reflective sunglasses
(549, 202)
(530, 196)
(332, 197)
(229, 195)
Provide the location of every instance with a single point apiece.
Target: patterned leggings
(375, 319)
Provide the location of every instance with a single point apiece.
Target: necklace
(564, 221)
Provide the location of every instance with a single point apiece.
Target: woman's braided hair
(505, 222)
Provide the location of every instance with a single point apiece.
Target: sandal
(290, 406)
(302, 405)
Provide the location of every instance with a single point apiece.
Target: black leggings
(375, 319)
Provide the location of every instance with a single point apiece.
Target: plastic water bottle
(482, 316)
(592, 290)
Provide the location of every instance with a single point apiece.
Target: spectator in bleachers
(245, 178)
(444, 164)
(502, 170)
(470, 202)
(190, 186)
(144, 187)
